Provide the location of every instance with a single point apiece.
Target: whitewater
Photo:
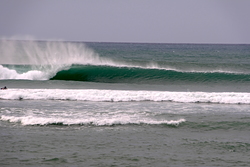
(97, 95)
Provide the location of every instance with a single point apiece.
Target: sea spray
(44, 58)
(40, 60)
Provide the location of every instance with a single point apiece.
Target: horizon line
(78, 41)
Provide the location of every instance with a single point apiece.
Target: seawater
(124, 104)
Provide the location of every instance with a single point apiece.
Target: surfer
(4, 88)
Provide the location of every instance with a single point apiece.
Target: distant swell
(111, 74)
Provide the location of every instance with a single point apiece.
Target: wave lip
(97, 95)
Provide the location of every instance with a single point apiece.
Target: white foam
(97, 121)
(6, 73)
(125, 95)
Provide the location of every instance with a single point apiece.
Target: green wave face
(110, 74)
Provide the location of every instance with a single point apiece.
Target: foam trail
(125, 96)
(87, 120)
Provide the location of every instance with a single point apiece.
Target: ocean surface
(124, 104)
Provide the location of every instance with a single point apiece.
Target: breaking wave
(32, 60)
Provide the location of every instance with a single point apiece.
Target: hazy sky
(161, 21)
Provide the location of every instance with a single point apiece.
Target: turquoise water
(124, 104)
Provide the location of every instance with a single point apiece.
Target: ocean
(124, 104)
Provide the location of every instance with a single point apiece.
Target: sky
(144, 21)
